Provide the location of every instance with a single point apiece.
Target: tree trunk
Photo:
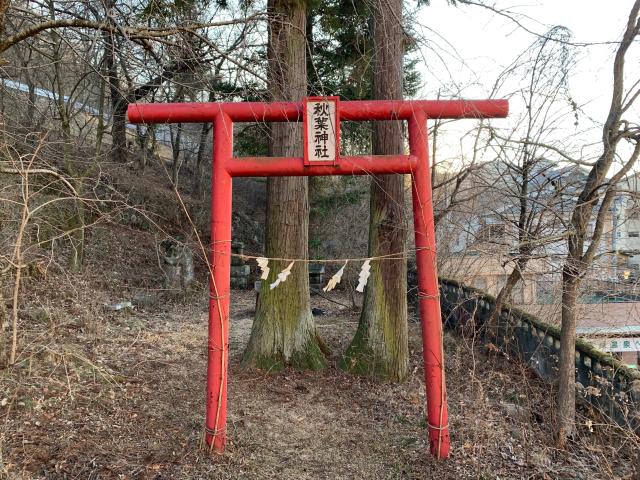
(176, 140)
(175, 144)
(598, 186)
(119, 151)
(567, 376)
(75, 225)
(30, 113)
(31, 108)
(493, 323)
(4, 6)
(145, 141)
(512, 280)
(284, 331)
(380, 346)
(202, 147)
(101, 99)
(4, 351)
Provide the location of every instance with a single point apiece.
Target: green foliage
(321, 207)
(315, 243)
(341, 48)
(251, 140)
(340, 38)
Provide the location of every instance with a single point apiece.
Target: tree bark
(175, 150)
(3, 327)
(567, 375)
(284, 331)
(380, 346)
(119, 152)
(202, 147)
(581, 248)
(524, 251)
(101, 99)
(75, 224)
(4, 6)
(493, 322)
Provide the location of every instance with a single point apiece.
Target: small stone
(144, 299)
(116, 307)
(177, 265)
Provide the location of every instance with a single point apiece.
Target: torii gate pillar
(225, 167)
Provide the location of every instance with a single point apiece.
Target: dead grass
(98, 394)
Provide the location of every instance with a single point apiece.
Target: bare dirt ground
(100, 394)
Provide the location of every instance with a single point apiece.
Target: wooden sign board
(321, 130)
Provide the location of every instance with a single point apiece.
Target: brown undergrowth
(103, 394)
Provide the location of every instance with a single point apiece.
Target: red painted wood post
(428, 293)
(219, 285)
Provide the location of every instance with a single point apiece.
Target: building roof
(593, 331)
(594, 318)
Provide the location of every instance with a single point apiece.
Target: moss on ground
(309, 358)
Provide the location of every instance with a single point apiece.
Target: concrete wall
(602, 381)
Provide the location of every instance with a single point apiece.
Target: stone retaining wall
(602, 381)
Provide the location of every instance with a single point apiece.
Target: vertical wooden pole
(428, 293)
(219, 285)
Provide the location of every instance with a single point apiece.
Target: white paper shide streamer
(282, 276)
(363, 276)
(335, 280)
(262, 263)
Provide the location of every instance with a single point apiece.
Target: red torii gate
(225, 167)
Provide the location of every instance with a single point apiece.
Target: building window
(633, 235)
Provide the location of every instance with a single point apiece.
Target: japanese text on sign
(321, 127)
(621, 344)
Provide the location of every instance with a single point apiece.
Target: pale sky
(469, 46)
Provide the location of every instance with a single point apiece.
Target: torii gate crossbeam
(225, 167)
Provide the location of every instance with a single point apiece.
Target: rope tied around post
(429, 297)
(433, 427)
(216, 297)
